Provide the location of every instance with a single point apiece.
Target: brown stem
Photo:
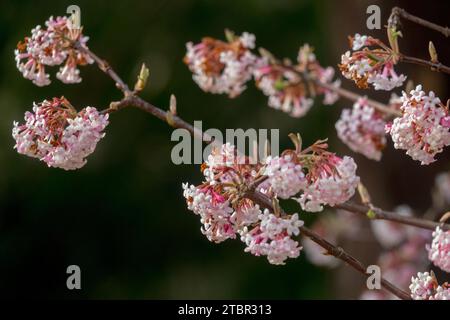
(435, 66)
(381, 214)
(354, 97)
(399, 12)
(333, 250)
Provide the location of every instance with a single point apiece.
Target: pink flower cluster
(224, 212)
(56, 134)
(423, 129)
(286, 89)
(226, 208)
(331, 181)
(222, 67)
(439, 250)
(225, 67)
(52, 46)
(370, 66)
(362, 129)
(426, 287)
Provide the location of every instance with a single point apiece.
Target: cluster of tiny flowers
(224, 213)
(332, 181)
(439, 250)
(426, 287)
(52, 46)
(56, 134)
(362, 129)
(285, 176)
(222, 67)
(365, 66)
(423, 128)
(272, 238)
(285, 88)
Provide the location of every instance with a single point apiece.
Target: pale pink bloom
(362, 129)
(285, 176)
(439, 250)
(426, 287)
(359, 41)
(56, 134)
(387, 79)
(50, 47)
(332, 182)
(222, 67)
(419, 130)
(272, 238)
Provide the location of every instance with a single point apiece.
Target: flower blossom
(56, 134)
(331, 181)
(426, 287)
(285, 176)
(286, 89)
(423, 129)
(365, 66)
(439, 250)
(222, 67)
(52, 46)
(272, 238)
(362, 129)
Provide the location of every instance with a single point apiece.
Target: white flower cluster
(272, 238)
(51, 47)
(220, 67)
(362, 129)
(62, 138)
(333, 183)
(425, 287)
(439, 250)
(422, 129)
(285, 176)
(364, 66)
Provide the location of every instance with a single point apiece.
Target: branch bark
(399, 12)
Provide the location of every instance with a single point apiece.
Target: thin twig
(434, 66)
(380, 214)
(399, 12)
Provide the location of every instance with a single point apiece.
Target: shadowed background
(122, 217)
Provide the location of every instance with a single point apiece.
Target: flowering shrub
(240, 197)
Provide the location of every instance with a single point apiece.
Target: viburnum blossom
(332, 180)
(272, 238)
(52, 46)
(287, 89)
(370, 66)
(423, 129)
(362, 129)
(285, 176)
(225, 212)
(59, 135)
(439, 250)
(222, 67)
(426, 287)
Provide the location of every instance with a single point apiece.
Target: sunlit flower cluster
(222, 67)
(426, 287)
(370, 66)
(439, 250)
(362, 129)
(52, 46)
(423, 129)
(59, 135)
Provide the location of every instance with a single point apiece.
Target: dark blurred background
(122, 217)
